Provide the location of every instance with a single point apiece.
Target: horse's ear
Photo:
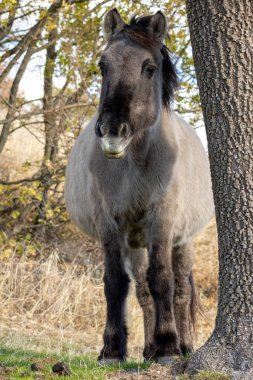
(113, 23)
(158, 26)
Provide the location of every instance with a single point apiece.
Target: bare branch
(61, 92)
(33, 31)
(12, 98)
(34, 135)
(19, 54)
(41, 112)
(5, 30)
(11, 64)
(182, 51)
(32, 179)
(25, 125)
(15, 19)
(5, 101)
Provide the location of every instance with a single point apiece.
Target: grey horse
(138, 181)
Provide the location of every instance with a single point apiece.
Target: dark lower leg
(116, 283)
(182, 265)
(161, 283)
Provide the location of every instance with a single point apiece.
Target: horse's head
(138, 78)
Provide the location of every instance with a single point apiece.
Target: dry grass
(206, 279)
(57, 306)
(51, 302)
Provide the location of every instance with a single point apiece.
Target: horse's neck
(153, 140)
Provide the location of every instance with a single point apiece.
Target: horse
(138, 181)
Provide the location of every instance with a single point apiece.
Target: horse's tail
(194, 305)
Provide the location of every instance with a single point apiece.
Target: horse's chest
(136, 220)
(133, 225)
(136, 235)
(125, 193)
(129, 204)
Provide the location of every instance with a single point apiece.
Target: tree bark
(221, 33)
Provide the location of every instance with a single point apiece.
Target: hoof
(149, 353)
(109, 361)
(186, 349)
(166, 360)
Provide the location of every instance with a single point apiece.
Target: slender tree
(221, 33)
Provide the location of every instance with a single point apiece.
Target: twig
(41, 112)
(32, 179)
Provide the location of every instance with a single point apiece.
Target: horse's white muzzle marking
(114, 147)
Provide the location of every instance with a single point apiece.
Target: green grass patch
(205, 375)
(209, 375)
(16, 364)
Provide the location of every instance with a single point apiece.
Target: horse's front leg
(161, 283)
(116, 285)
(139, 265)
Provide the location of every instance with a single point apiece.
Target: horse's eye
(102, 68)
(149, 69)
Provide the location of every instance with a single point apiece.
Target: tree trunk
(51, 130)
(13, 97)
(222, 40)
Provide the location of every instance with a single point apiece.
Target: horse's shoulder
(182, 129)
(88, 130)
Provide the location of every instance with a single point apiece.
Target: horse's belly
(79, 206)
(83, 219)
(86, 225)
(192, 218)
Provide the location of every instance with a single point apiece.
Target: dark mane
(137, 31)
(170, 78)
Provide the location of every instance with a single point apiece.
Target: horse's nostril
(124, 130)
(100, 130)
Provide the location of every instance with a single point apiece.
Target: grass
(17, 364)
(205, 375)
(83, 367)
(208, 375)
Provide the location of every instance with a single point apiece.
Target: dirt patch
(155, 372)
(5, 371)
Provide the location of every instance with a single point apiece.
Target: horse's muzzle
(114, 147)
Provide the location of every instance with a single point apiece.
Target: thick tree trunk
(222, 39)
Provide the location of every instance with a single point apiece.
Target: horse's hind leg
(116, 285)
(184, 295)
(138, 259)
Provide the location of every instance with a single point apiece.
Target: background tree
(221, 34)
